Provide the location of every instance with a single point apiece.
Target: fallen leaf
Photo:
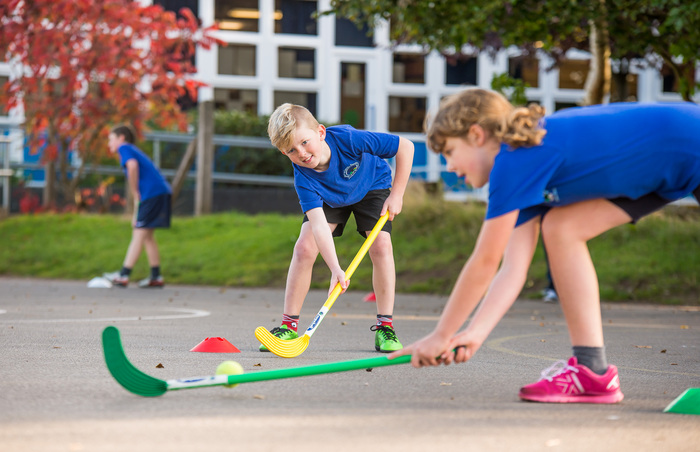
(343, 323)
(685, 327)
(674, 364)
(160, 366)
(369, 370)
(445, 384)
(542, 340)
(257, 365)
(643, 346)
(259, 396)
(663, 351)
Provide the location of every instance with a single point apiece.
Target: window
(623, 87)
(406, 114)
(563, 105)
(352, 94)
(347, 33)
(307, 100)
(236, 99)
(670, 81)
(460, 70)
(573, 73)
(408, 68)
(237, 15)
(525, 68)
(237, 59)
(296, 63)
(295, 17)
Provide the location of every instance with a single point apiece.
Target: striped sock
(292, 321)
(385, 320)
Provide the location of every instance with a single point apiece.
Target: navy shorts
(643, 206)
(367, 212)
(154, 212)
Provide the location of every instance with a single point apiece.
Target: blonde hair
(284, 122)
(492, 111)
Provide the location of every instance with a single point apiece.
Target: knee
(557, 228)
(305, 249)
(382, 247)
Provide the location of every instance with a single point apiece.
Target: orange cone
(215, 345)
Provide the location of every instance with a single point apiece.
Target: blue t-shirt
(151, 182)
(604, 151)
(356, 167)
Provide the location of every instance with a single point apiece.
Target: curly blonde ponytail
(457, 113)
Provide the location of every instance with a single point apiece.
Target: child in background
(572, 176)
(340, 171)
(151, 210)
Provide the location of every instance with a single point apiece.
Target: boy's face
(309, 149)
(114, 141)
(471, 157)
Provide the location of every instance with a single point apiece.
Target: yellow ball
(229, 368)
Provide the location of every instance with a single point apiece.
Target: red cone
(370, 298)
(215, 345)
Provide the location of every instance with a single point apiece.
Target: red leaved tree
(82, 66)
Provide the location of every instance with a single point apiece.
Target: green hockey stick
(132, 379)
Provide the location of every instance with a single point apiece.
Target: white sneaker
(550, 296)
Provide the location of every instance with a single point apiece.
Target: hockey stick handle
(276, 374)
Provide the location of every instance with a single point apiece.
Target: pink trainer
(574, 383)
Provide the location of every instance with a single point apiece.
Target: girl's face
(309, 148)
(114, 141)
(472, 156)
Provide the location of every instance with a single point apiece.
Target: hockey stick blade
(124, 372)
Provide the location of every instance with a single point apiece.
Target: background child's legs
(139, 238)
(565, 231)
(383, 272)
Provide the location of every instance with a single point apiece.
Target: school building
(279, 51)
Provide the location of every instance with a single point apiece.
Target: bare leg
(566, 231)
(138, 238)
(384, 272)
(300, 270)
(152, 248)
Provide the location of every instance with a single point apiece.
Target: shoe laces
(556, 369)
(279, 331)
(387, 332)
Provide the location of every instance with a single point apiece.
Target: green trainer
(282, 332)
(385, 339)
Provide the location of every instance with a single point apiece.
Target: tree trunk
(49, 184)
(599, 75)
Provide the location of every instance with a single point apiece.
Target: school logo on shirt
(551, 195)
(350, 170)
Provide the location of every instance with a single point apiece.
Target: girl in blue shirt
(572, 176)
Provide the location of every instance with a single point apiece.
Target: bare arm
(502, 293)
(474, 279)
(324, 240)
(404, 163)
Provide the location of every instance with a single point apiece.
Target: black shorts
(367, 213)
(643, 206)
(154, 212)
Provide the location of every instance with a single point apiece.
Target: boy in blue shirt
(340, 171)
(572, 175)
(151, 210)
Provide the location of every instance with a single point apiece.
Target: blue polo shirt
(356, 167)
(151, 182)
(604, 151)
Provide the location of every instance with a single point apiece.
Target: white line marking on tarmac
(2, 311)
(497, 344)
(184, 314)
